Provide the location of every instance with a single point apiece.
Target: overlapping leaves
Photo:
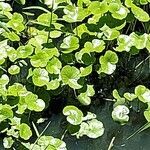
(89, 125)
(59, 48)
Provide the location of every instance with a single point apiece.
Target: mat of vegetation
(74, 74)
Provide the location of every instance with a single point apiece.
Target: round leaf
(74, 115)
(40, 59)
(70, 43)
(70, 75)
(53, 84)
(84, 99)
(25, 131)
(120, 114)
(14, 69)
(108, 62)
(95, 128)
(54, 66)
(40, 77)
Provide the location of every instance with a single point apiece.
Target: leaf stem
(144, 127)
(62, 137)
(40, 135)
(4, 27)
(111, 143)
(142, 62)
(50, 23)
(37, 7)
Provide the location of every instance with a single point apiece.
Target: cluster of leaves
(121, 110)
(58, 49)
(92, 127)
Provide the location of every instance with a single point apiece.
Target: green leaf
(70, 76)
(97, 45)
(139, 90)
(145, 97)
(93, 129)
(142, 93)
(40, 59)
(129, 3)
(110, 34)
(30, 73)
(8, 142)
(33, 103)
(5, 112)
(90, 90)
(130, 96)
(74, 84)
(4, 80)
(85, 54)
(40, 77)
(139, 41)
(82, 131)
(120, 114)
(54, 66)
(16, 89)
(84, 99)
(124, 42)
(55, 33)
(3, 52)
(12, 36)
(24, 51)
(68, 58)
(98, 7)
(89, 116)
(85, 71)
(74, 14)
(88, 59)
(25, 131)
(81, 2)
(12, 54)
(81, 29)
(119, 100)
(70, 43)
(16, 22)
(118, 11)
(14, 69)
(21, 108)
(148, 43)
(38, 40)
(111, 57)
(51, 52)
(53, 84)
(147, 115)
(5, 7)
(69, 72)
(108, 62)
(74, 115)
(143, 2)
(51, 143)
(45, 19)
(140, 14)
